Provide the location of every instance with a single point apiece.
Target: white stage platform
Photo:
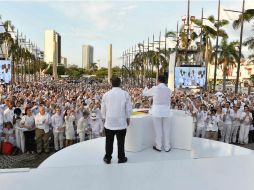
(211, 165)
(92, 152)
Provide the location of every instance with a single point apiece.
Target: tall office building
(87, 56)
(64, 61)
(52, 47)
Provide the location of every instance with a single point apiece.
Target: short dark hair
(162, 79)
(115, 81)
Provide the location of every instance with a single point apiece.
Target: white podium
(140, 133)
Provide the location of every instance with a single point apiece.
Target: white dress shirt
(96, 125)
(161, 100)
(246, 120)
(228, 116)
(57, 123)
(116, 107)
(236, 118)
(42, 122)
(201, 118)
(8, 115)
(212, 123)
(28, 121)
(82, 125)
(1, 117)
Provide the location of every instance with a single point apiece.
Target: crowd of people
(64, 112)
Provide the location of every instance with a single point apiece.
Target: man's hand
(128, 121)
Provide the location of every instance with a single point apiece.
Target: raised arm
(148, 92)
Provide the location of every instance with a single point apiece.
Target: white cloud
(83, 33)
(130, 7)
(97, 14)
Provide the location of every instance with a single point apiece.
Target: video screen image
(5, 71)
(190, 77)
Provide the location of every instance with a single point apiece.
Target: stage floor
(92, 152)
(211, 165)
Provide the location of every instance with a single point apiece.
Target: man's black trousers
(120, 135)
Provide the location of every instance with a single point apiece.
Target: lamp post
(240, 45)
(216, 50)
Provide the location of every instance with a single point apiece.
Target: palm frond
(249, 42)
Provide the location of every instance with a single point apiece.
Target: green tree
(249, 42)
(228, 55)
(208, 33)
(247, 16)
(102, 72)
(93, 67)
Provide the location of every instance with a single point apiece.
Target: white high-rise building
(64, 61)
(87, 56)
(52, 47)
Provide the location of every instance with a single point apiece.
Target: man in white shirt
(96, 125)
(116, 109)
(42, 121)
(57, 123)
(246, 120)
(9, 112)
(160, 111)
(228, 121)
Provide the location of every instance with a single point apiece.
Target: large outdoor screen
(190, 77)
(5, 71)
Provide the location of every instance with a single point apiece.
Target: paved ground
(34, 160)
(22, 161)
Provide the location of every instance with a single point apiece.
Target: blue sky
(98, 23)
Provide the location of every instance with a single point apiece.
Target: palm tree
(251, 58)
(93, 66)
(228, 55)
(250, 43)
(208, 33)
(247, 16)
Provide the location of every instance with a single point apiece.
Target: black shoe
(124, 160)
(154, 147)
(107, 161)
(168, 150)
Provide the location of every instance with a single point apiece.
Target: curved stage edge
(91, 153)
(211, 165)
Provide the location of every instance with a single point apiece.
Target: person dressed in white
(212, 126)
(9, 134)
(246, 119)
(228, 121)
(1, 124)
(160, 111)
(58, 128)
(9, 113)
(220, 116)
(201, 121)
(42, 122)
(82, 126)
(28, 124)
(69, 119)
(96, 126)
(19, 132)
(7, 76)
(236, 123)
(116, 109)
